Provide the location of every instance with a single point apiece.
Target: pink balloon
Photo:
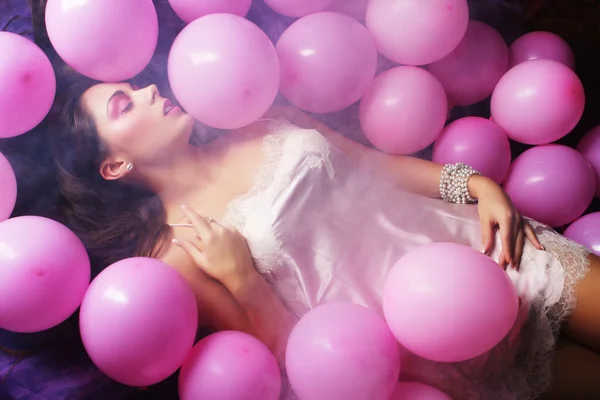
(138, 321)
(341, 351)
(8, 183)
(328, 61)
(541, 45)
(417, 391)
(404, 111)
(44, 273)
(470, 73)
(448, 302)
(224, 71)
(230, 365)
(108, 40)
(356, 9)
(477, 142)
(417, 32)
(538, 102)
(553, 184)
(589, 146)
(586, 231)
(190, 10)
(28, 85)
(297, 8)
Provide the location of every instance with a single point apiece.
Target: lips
(167, 106)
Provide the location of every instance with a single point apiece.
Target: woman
(324, 218)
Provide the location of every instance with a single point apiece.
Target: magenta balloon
(477, 142)
(328, 61)
(230, 365)
(417, 32)
(589, 146)
(224, 71)
(341, 351)
(44, 273)
(28, 85)
(470, 73)
(417, 391)
(297, 8)
(356, 9)
(538, 102)
(404, 111)
(586, 231)
(448, 302)
(553, 184)
(138, 321)
(541, 45)
(108, 40)
(189, 10)
(8, 183)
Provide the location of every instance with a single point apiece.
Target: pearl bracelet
(454, 183)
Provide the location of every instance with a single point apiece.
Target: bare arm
(410, 173)
(228, 287)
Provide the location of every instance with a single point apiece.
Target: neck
(196, 169)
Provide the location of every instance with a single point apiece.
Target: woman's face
(139, 126)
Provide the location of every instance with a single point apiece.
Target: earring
(129, 167)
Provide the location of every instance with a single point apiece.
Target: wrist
(246, 286)
(477, 185)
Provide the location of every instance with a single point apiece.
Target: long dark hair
(115, 220)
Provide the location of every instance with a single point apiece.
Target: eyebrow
(115, 94)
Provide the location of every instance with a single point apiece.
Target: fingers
(519, 245)
(532, 236)
(507, 236)
(202, 226)
(192, 250)
(487, 236)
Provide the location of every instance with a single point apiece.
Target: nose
(151, 93)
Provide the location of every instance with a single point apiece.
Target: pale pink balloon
(44, 273)
(589, 146)
(586, 231)
(189, 10)
(356, 9)
(448, 302)
(541, 45)
(230, 365)
(553, 184)
(417, 32)
(328, 61)
(538, 102)
(28, 85)
(108, 40)
(138, 321)
(404, 111)
(341, 351)
(477, 142)
(224, 71)
(8, 183)
(470, 73)
(417, 391)
(297, 8)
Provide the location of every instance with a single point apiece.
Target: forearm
(271, 319)
(416, 175)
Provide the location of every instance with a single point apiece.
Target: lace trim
(544, 330)
(249, 213)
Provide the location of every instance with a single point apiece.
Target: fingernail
(183, 207)
(175, 241)
(543, 248)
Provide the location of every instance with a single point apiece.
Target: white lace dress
(321, 228)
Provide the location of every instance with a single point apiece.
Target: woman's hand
(222, 253)
(496, 210)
